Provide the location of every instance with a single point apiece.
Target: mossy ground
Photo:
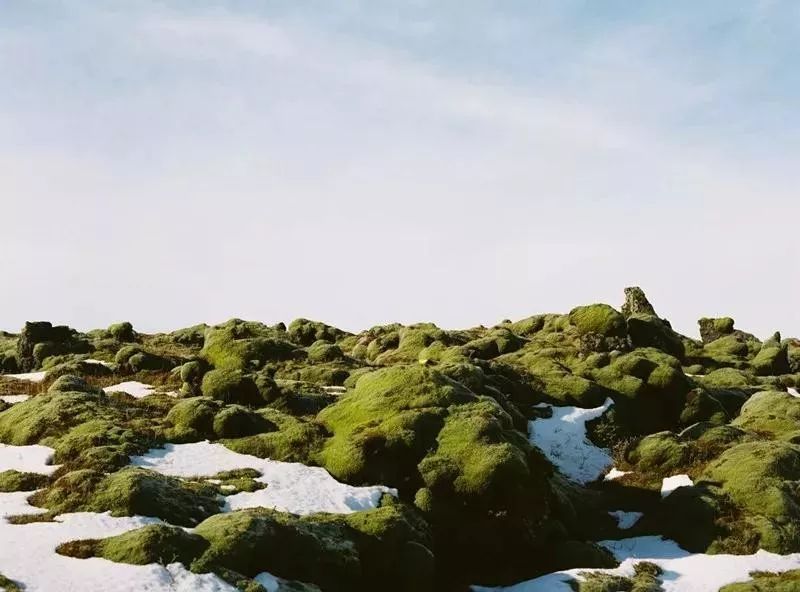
(439, 414)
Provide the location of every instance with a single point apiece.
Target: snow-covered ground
(99, 362)
(683, 571)
(670, 484)
(563, 440)
(615, 473)
(132, 387)
(291, 487)
(27, 459)
(29, 376)
(14, 398)
(794, 392)
(32, 561)
(625, 520)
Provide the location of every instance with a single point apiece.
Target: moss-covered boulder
(774, 414)
(155, 543)
(645, 579)
(454, 453)
(788, 581)
(712, 329)
(291, 440)
(40, 340)
(122, 332)
(771, 360)
(386, 549)
(600, 319)
(305, 332)
(235, 421)
(241, 345)
(192, 419)
(760, 479)
(129, 492)
(662, 453)
(18, 481)
(231, 386)
(649, 390)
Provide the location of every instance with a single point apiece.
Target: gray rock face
(636, 303)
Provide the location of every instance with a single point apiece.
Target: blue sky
(369, 162)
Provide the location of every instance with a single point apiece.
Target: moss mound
(775, 414)
(231, 386)
(455, 453)
(788, 581)
(601, 319)
(760, 479)
(17, 481)
(128, 492)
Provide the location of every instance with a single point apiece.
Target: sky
(461, 162)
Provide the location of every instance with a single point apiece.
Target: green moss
(17, 481)
(598, 318)
(294, 440)
(231, 386)
(726, 378)
(645, 579)
(239, 345)
(414, 428)
(9, 585)
(192, 419)
(788, 581)
(650, 331)
(771, 360)
(759, 477)
(235, 421)
(155, 543)
(649, 387)
(712, 329)
(305, 332)
(772, 413)
(728, 346)
(322, 351)
(129, 492)
(122, 332)
(662, 453)
(384, 549)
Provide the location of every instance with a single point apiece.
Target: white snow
(683, 571)
(14, 398)
(133, 388)
(29, 376)
(100, 363)
(27, 556)
(270, 582)
(563, 440)
(625, 520)
(793, 391)
(615, 473)
(291, 487)
(670, 484)
(27, 459)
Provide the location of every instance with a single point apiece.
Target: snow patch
(27, 556)
(14, 398)
(29, 376)
(683, 571)
(670, 484)
(27, 459)
(270, 582)
(794, 392)
(133, 388)
(615, 473)
(625, 520)
(99, 363)
(291, 487)
(562, 438)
